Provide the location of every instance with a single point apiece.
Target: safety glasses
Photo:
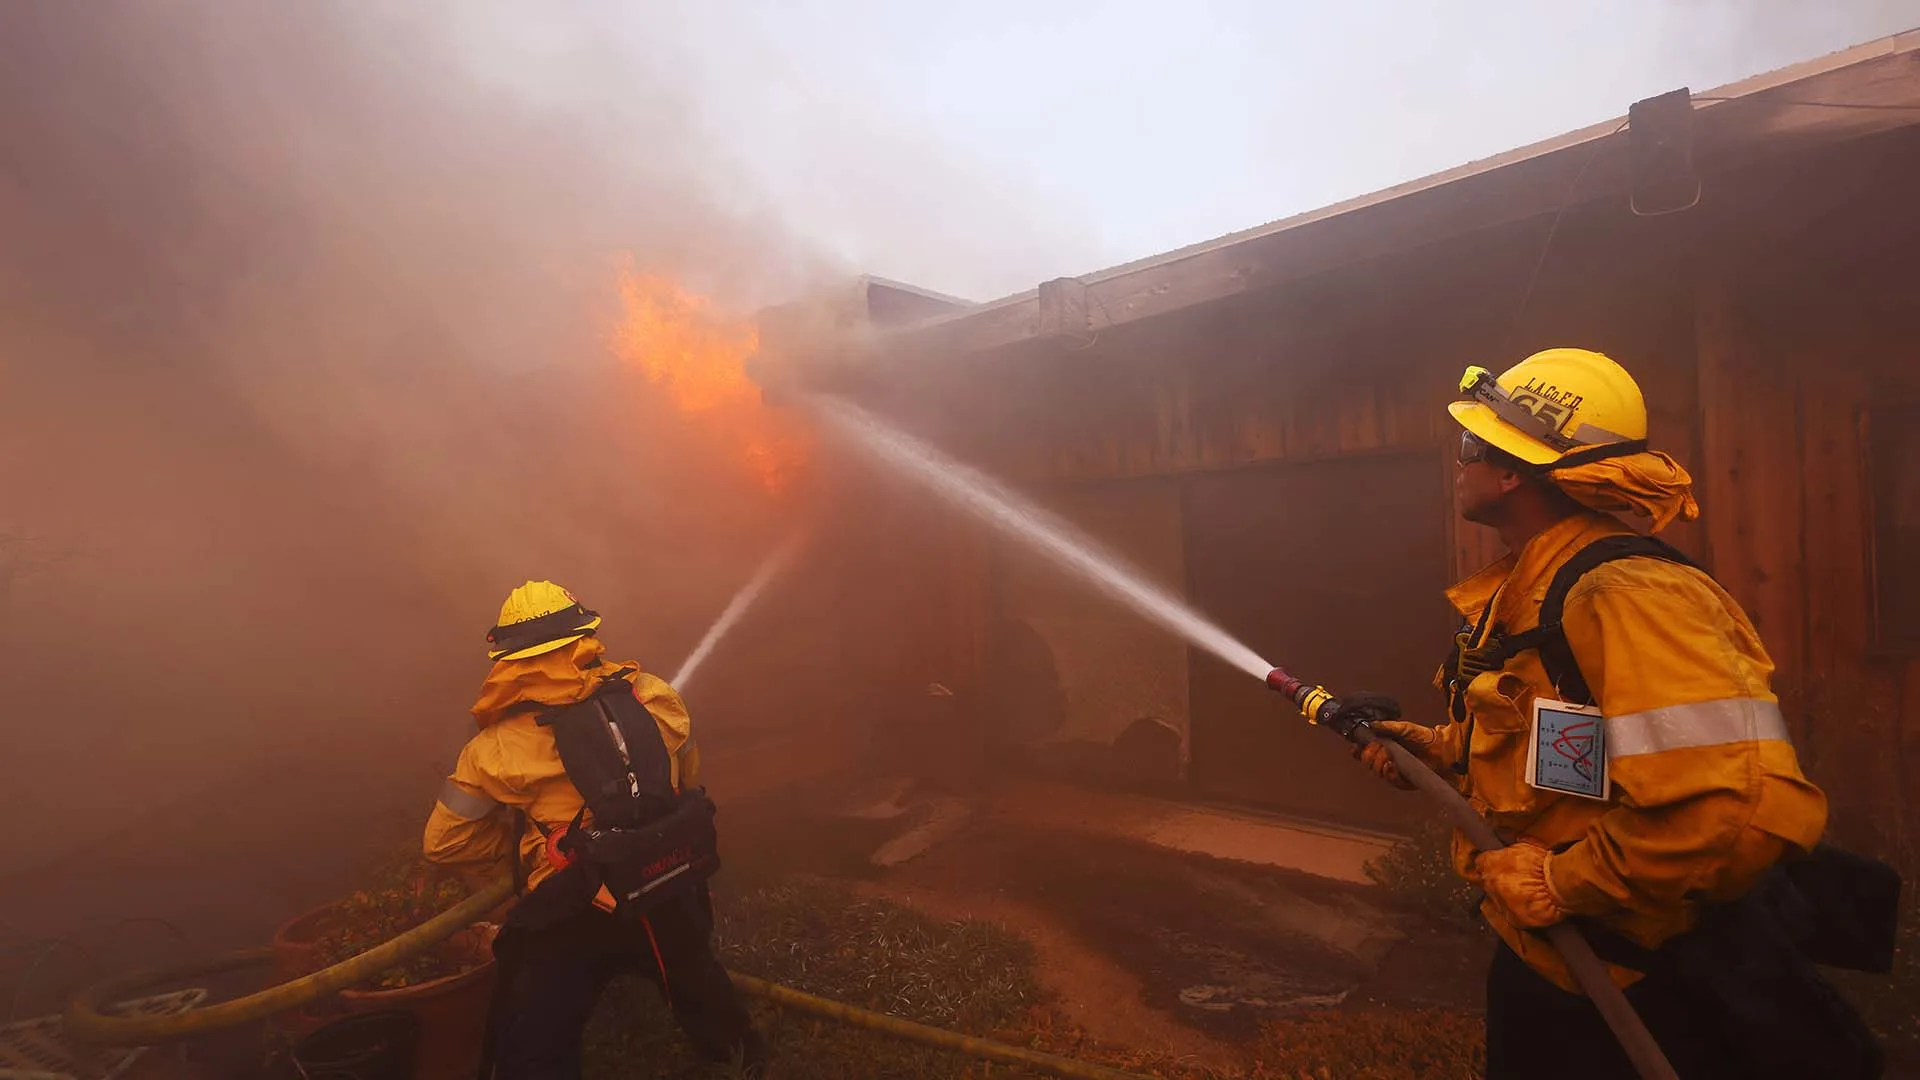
(1471, 449)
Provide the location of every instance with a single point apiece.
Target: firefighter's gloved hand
(1473, 662)
(1363, 705)
(1517, 881)
(1418, 738)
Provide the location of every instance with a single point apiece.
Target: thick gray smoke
(302, 333)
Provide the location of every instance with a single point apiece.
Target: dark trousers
(1537, 1030)
(552, 976)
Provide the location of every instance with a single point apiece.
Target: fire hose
(89, 1019)
(1321, 708)
(984, 1049)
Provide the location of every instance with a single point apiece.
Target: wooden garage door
(1332, 569)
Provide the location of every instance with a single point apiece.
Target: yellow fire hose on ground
(88, 1020)
(984, 1049)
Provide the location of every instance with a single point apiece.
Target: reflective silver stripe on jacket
(1705, 723)
(466, 805)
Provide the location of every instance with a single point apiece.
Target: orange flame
(699, 357)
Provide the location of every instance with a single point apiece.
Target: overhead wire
(1553, 230)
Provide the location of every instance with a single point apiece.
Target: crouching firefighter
(582, 779)
(1612, 718)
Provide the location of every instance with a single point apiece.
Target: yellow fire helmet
(538, 617)
(1556, 408)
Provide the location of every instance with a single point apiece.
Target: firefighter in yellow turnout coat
(1619, 729)
(510, 804)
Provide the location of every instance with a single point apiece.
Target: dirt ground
(1142, 947)
(1201, 960)
(1203, 965)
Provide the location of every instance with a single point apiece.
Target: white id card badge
(1569, 750)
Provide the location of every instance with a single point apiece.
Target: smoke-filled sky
(979, 148)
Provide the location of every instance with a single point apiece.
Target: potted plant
(447, 989)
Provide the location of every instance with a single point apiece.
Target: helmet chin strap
(1597, 453)
(549, 627)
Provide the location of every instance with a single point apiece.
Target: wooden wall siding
(1178, 418)
(1909, 754)
(1852, 704)
(1874, 700)
(900, 585)
(1285, 379)
(1365, 361)
(1113, 666)
(1750, 486)
(1756, 370)
(1896, 375)
(1787, 366)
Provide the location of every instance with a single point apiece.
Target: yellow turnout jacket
(512, 764)
(1707, 792)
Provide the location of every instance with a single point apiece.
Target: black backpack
(1547, 636)
(646, 842)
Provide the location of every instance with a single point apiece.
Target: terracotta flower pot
(296, 945)
(296, 952)
(452, 1011)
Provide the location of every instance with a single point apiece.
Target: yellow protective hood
(551, 679)
(1649, 484)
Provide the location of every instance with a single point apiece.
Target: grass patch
(825, 940)
(1384, 1044)
(1422, 1044)
(974, 977)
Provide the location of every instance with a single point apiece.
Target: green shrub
(1418, 872)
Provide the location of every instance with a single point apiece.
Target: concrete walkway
(1210, 917)
(1240, 835)
(1247, 836)
(1251, 836)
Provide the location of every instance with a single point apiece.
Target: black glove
(1362, 706)
(1477, 662)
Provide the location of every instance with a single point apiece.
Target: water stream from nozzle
(769, 569)
(995, 504)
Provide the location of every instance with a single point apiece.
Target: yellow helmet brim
(546, 646)
(1501, 435)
